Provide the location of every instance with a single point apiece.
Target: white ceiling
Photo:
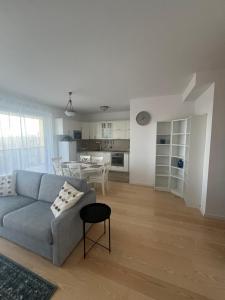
(107, 51)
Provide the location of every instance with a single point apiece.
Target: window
(22, 143)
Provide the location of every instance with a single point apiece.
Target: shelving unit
(172, 148)
(163, 140)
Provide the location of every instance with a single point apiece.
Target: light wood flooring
(161, 250)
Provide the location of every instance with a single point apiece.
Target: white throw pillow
(68, 197)
(8, 185)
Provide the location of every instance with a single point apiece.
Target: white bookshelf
(163, 148)
(172, 145)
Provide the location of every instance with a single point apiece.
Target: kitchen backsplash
(103, 145)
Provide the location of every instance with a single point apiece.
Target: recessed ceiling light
(104, 108)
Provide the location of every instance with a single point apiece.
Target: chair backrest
(75, 170)
(85, 158)
(98, 160)
(107, 168)
(65, 170)
(57, 165)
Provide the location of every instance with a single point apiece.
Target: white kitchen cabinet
(127, 129)
(95, 130)
(107, 130)
(118, 129)
(85, 130)
(121, 129)
(65, 126)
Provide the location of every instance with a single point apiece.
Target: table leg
(104, 228)
(109, 237)
(84, 238)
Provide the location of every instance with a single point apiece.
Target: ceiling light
(69, 111)
(104, 108)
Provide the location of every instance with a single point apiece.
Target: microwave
(77, 135)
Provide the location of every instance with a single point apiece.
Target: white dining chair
(99, 160)
(106, 178)
(101, 177)
(85, 158)
(66, 170)
(75, 170)
(57, 165)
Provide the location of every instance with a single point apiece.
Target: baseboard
(213, 216)
(139, 184)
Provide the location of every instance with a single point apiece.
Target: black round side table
(95, 213)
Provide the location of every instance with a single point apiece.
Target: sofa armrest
(67, 229)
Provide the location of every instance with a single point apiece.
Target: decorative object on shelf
(180, 163)
(162, 141)
(143, 118)
(69, 111)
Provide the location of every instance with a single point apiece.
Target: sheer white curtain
(26, 138)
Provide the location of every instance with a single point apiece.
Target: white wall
(143, 138)
(196, 158)
(215, 202)
(204, 105)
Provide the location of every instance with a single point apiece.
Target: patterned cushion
(68, 197)
(8, 185)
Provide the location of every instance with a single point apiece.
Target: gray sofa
(27, 219)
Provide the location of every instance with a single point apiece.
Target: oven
(117, 159)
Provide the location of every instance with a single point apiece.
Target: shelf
(175, 138)
(179, 133)
(164, 134)
(177, 177)
(179, 120)
(177, 168)
(180, 157)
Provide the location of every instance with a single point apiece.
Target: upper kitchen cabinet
(85, 130)
(121, 129)
(95, 130)
(64, 126)
(107, 130)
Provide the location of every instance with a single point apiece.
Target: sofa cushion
(28, 183)
(8, 185)
(11, 203)
(68, 197)
(52, 184)
(33, 221)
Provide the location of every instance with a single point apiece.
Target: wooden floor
(160, 250)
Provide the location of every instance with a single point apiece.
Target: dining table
(85, 168)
